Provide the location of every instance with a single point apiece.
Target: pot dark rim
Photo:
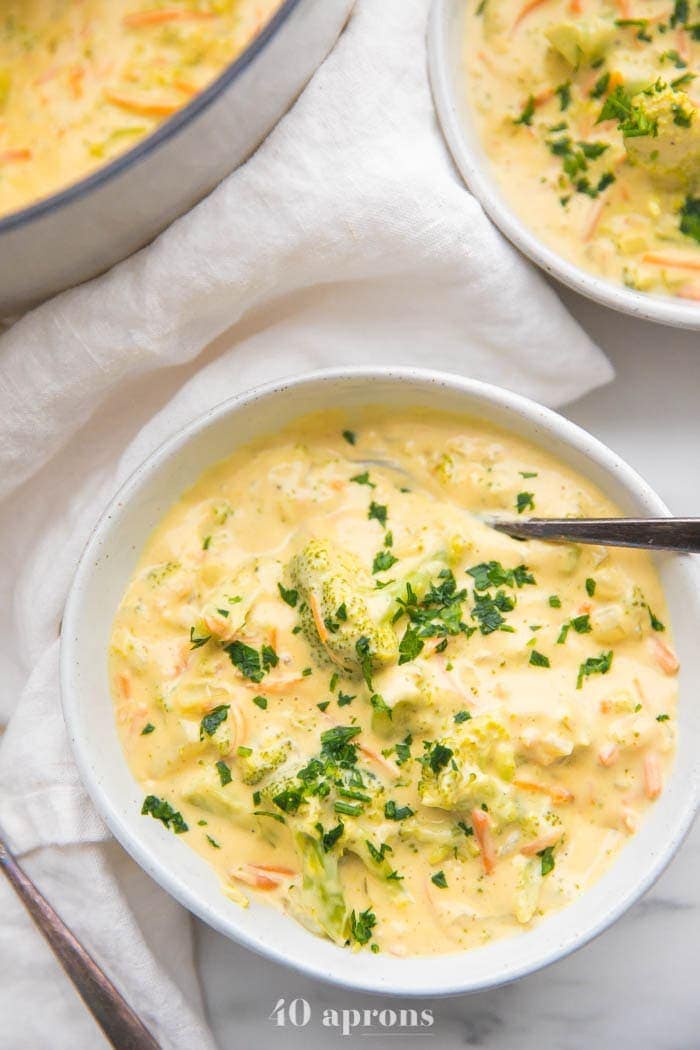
(163, 133)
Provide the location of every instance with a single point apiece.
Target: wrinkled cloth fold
(346, 239)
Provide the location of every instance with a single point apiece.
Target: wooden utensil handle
(115, 1017)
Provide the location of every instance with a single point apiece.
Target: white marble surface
(635, 988)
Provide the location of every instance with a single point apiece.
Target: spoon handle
(115, 1017)
(661, 534)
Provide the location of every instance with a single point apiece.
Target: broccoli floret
(207, 793)
(470, 768)
(586, 40)
(437, 840)
(662, 135)
(335, 612)
(262, 761)
(319, 902)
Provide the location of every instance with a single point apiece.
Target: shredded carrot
(380, 760)
(555, 792)
(262, 877)
(594, 217)
(529, 7)
(683, 44)
(690, 291)
(664, 656)
(537, 845)
(624, 8)
(9, 155)
(240, 726)
(679, 262)
(576, 7)
(185, 87)
(318, 620)
(608, 754)
(153, 18)
(124, 685)
(141, 106)
(653, 776)
(482, 830)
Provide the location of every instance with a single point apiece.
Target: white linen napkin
(347, 238)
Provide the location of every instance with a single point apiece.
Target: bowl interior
(448, 76)
(105, 569)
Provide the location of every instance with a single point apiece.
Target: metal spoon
(115, 1017)
(661, 534)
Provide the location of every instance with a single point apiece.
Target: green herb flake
(224, 773)
(525, 501)
(383, 561)
(261, 702)
(363, 479)
(161, 810)
(439, 879)
(656, 624)
(213, 842)
(527, 113)
(350, 436)
(590, 586)
(594, 665)
(377, 512)
(361, 926)
(394, 812)
(662, 718)
(148, 729)
(197, 643)
(410, 646)
(212, 720)
(538, 659)
(462, 716)
(547, 857)
(554, 601)
(291, 596)
(690, 218)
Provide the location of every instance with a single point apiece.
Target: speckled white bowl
(446, 61)
(103, 573)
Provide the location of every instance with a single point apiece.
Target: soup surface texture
(82, 80)
(588, 111)
(358, 700)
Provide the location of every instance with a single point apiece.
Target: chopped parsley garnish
(147, 729)
(349, 809)
(656, 624)
(213, 842)
(266, 813)
(291, 596)
(492, 574)
(600, 86)
(525, 501)
(594, 665)
(532, 473)
(377, 512)
(212, 720)
(662, 718)
(488, 611)
(261, 702)
(361, 926)
(350, 436)
(205, 543)
(363, 479)
(563, 93)
(252, 664)
(345, 698)
(681, 13)
(224, 773)
(403, 750)
(527, 113)
(547, 857)
(377, 855)
(590, 586)
(633, 121)
(555, 601)
(437, 756)
(383, 561)
(161, 810)
(437, 615)
(394, 812)
(410, 645)
(439, 879)
(289, 799)
(690, 218)
(462, 716)
(538, 659)
(329, 838)
(197, 643)
(364, 655)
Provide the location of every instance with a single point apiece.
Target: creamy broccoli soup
(588, 110)
(364, 705)
(82, 80)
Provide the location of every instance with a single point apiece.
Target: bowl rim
(492, 397)
(161, 134)
(474, 171)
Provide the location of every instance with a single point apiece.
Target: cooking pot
(90, 225)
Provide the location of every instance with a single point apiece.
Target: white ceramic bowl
(108, 562)
(446, 60)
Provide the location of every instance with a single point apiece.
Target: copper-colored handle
(115, 1017)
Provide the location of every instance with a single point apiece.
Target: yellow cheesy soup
(588, 112)
(83, 80)
(361, 703)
